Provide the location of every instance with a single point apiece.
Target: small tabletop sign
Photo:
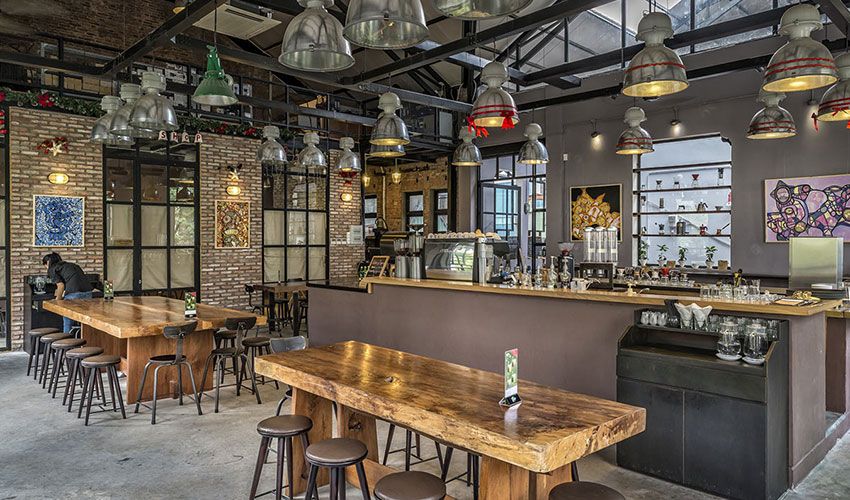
(377, 266)
(108, 290)
(511, 379)
(191, 305)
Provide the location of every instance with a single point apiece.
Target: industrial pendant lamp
(152, 111)
(656, 70)
(467, 154)
(389, 129)
(772, 121)
(311, 157)
(349, 161)
(533, 152)
(385, 24)
(101, 131)
(494, 107)
(387, 151)
(634, 140)
(480, 9)
(120, 125)
(216, 88)
(314, 40)
(802, 63)
(835, 103)
(271, 151)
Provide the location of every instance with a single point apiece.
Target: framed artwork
(595, 206)
(58, 221)
(232, 224)
(807, 206)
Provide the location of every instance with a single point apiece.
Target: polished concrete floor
(48, 453)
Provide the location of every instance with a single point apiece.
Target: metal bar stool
(255, 346)
(92, 366)
(178, 333)
(408, 449)
(412, 485)
(219, 357)
(75, 371)
(250, 290)
(337, 454)
(60, 347)
(470, 476)
(35, 346)
(283, 428)
(46, 349)
(286, 344)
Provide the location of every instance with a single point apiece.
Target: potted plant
(643, 250)
(682, 252)
(709, 256)
(662, 257)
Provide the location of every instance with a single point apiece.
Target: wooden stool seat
(75, 371)
(91, 367)
(412, 485)
(284, 425)
(336, 452)
(53, 337)
(37, 332)
(68, 344)
(35, 346)
(47, 342)
(283, 428)
(256, 342)
(101, 361)
(225, 334)
(583, 490)
(59, 348)
(84, 352)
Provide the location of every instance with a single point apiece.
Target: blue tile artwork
(59, 221)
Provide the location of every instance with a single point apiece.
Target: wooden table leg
(320, 411)
(503, 481)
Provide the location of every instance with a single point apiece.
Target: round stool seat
(411, 485)
(583, 490)
(70, 343)
(225, 334)
(165, 359)
(336, 452)
(84, 352)
(53, 337)
(284, 425)
(100, 361)
(40, 332)
(256, 341)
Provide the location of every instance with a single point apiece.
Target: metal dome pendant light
(152, 111)
(314, 40)
(271, 151)
(802, 63)
(349, 161)
(311, 157)
(120, 125)
(656, 70)
(477, 10)
(216, 88)
(387, 151)
(494, 107)
(634, 140)
(466, 154)
(385, 24)
(389, 129)
(773, 121)
(835, 103)
(101, 131)
(533, 152)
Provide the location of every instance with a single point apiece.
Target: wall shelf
(682, 235)
(680, 189)
(686, 212)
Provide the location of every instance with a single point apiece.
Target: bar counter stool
(412, 485)
(219, 356)
(75, 371)
(337, 454)
(178, 360)
(92, 366)
(256, 345)
(35, 346)
(283, 428)
(583, 490)
(286, 344)
(46, 349)
(60, 347)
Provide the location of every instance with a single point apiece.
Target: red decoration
(475, 129)
(54, 146)
(45, 100)
(2, 96)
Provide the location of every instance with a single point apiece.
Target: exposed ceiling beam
(540, 46)
(838, 13)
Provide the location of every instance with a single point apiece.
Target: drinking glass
(740, 293)
(756, 342)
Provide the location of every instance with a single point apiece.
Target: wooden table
(524, 451)
(284, 289)
(131, 327)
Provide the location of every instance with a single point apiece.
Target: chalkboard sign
(377, 266)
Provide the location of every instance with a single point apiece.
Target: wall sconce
(234, 190)
(367, 179)
(346, 196)
(395, 177)
(58, 178)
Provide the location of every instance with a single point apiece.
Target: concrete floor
(48, 453)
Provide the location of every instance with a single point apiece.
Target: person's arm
(60, 290)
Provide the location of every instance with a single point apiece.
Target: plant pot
(642, 262)
(681, 263)
(709, 264)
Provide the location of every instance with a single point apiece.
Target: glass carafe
(728, 345)
(756, 342)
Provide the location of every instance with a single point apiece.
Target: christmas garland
(73, 105)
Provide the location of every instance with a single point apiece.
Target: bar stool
(219, 357)
(337, 454)
(250, 290)
(471, 475)
(283, 428)
(91, 367)
(75, 371)
(46, 343)
(178, 333)
(256, 345)
(60, 347)
(286, 344)
(412, 485)
(408, 449)
(35, 346)
(583, 490)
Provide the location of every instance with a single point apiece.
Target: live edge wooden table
(524, 451)
(131, 327)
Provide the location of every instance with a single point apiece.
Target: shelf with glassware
(683, 214)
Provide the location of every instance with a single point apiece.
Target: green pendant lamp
(216, 89)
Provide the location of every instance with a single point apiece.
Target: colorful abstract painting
(807, 206)
(232, 224)
(58, 221)
(595, 206)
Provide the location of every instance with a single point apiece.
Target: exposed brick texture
(344, 256)
(416, 177)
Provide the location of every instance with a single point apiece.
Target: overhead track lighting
(271, 151)
(153, 111)
(389, 129)
(634, 140)
(533, 152)
(466, 154)
(311, 157)
(385, 24)
(772, 121)
(803, 63)
(835, 103)
(349, 161)
(655, 70)
(494, 107)
(387, 151)
(101, 131)
(477, 10)
(314, 40)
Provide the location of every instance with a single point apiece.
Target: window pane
(316, 192)
(370, 205)
(442, 223)
(182, 226)
(687, 152)
(297, 190)
(296, 261)
(297, 229)
(183, 268)
(154, 269)
(415, 203)
(273, 264)
(2, 223)
(182, 185)
(119, 179)
(154, 225)
(488, 169)
(318, 227)
(184, 152)
(317, 264)
(274, 195)
(369, 222)
(442, 200)
(415, 221)
(273, 227)
(119, 225)
(119, 269)
(153, 183)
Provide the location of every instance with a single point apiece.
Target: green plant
(682, 252)
(709, 252)
(643, 250)
(661, 252)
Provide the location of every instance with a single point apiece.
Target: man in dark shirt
(70, 280)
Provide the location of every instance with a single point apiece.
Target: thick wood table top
(127, 317)
(458, 405)
(647, 299)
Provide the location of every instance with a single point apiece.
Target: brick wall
(416, 177)
(344, 256)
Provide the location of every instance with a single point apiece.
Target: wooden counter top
(645, 299)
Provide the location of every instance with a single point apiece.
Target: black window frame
(369, 215)
(436, 211)
(408, 214)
